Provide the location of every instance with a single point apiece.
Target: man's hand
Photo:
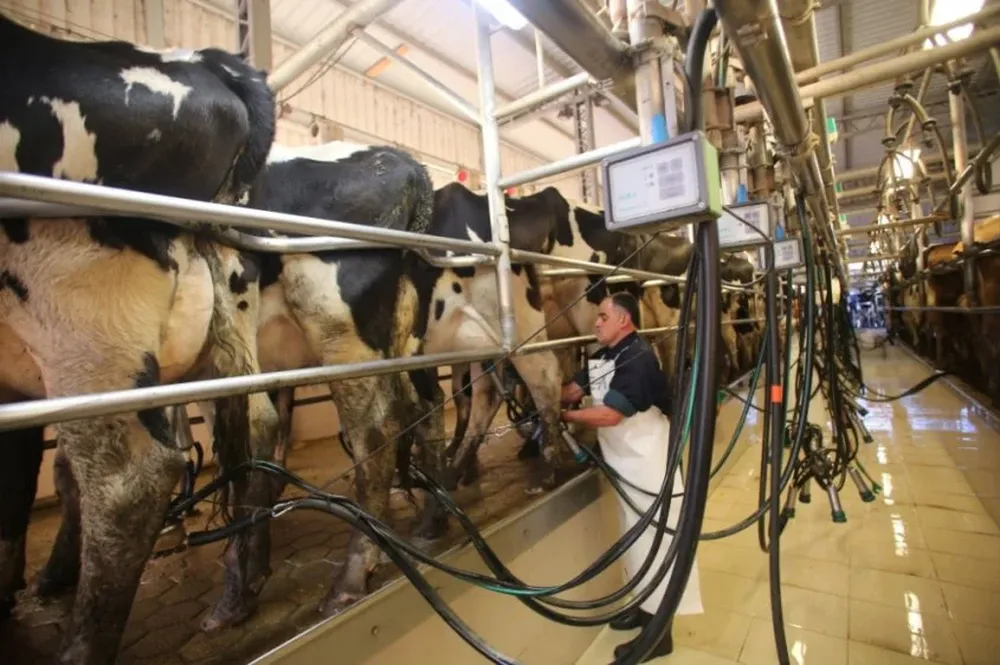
(572, 393)
(594, 416)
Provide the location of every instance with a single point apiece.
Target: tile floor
(910, 579)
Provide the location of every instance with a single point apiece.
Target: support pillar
(253, 29)
(956, 105)
(491, 169)
(583, 126)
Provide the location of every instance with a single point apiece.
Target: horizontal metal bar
(883, 48)
(173, 209)
(449, 95)
(61, 409)
(238, 239)
(866, 259)
(580, 161)
(993, 309)
(919, 221)
(600, 268)
(872, 75)
(543, 96)
(537, 347)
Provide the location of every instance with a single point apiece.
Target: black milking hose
(705, 376)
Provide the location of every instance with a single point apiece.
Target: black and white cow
(108, 303)
(342, 306)
(548, 223)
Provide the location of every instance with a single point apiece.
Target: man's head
(617, 316)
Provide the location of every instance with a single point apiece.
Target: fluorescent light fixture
(946, 11)
(503, 12)
(882, 219)
(904, 163)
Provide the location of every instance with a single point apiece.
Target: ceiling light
(946, 11)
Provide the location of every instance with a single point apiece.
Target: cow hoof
(259, 576)
(227, 613)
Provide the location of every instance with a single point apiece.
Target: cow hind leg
(540, 371)
(368, 407)
(62, 570)
(126, 466)
(245, 427)
(463, 394)
(22, 450)
(463, 465)
(432, 521)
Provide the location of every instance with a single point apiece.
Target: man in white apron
(630, 400)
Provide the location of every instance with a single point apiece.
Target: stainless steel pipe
(61, 409)
(542, 96)
(887, 70)
(581, 161)
(329, 39)
(173, 209)
(446, 93)
(491, 169)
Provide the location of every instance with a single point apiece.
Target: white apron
(637, 449)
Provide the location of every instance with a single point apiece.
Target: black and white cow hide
(575, 231)
(110, 303)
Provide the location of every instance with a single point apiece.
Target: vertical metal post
(491, 170)
(583, 128)
(956, 105)
(155, 36)
(648, 74)
(253, 28)
(540, 58)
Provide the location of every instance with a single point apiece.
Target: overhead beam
(621, 99)
(872, 75)
(385, 62)
(581, 35)
(501, 94)
(254, 32)
(328, 40)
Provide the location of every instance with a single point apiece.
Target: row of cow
(108, 303)
(966, 343)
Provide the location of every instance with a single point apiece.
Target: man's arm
(594, 416)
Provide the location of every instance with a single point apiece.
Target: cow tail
(250, 85)
(423, 208)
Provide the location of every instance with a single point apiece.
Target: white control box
(787, 254)
(734, 231)
(663, 185)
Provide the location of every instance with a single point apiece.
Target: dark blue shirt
(638, 383)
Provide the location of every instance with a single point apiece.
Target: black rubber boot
(634, 619)
(664, 648)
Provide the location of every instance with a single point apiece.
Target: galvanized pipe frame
(798, 18)
(756, 30)
(52, 410)
(874, 74)
(861, 56)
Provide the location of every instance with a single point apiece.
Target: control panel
(787, 254)
(734, 231)
(662, 186)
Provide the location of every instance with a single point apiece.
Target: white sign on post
(733, 228)
(787, 254)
